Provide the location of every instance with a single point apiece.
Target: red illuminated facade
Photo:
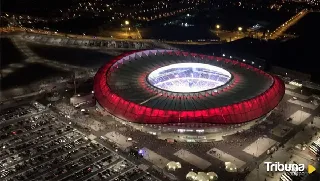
(240, 111)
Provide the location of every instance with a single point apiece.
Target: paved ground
(246, 150)
(237, 149)
(51, 61)
(39, 145)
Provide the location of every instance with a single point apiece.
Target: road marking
(259, 146)
(303, 104)
(299, 116)
(50, 171)
(34, 146)
(281, 130)
(120, 140)
(154, 158)
(43, 152)
(192, 159)
(225, 157)
(291, 93)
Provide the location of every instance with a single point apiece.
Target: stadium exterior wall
(236, 113)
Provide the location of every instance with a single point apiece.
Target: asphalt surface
(47, 133)
(38, 145)
(233, 144)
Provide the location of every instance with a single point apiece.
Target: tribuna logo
(279, 167)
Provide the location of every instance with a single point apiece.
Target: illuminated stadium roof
(188, 77)
(141, 86)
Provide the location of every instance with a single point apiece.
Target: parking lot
(36, 145)
(13, 113)
(242, 149)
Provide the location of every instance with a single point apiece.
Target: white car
(294, 98)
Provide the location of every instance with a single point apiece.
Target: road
(230, 143)
(229, 36)
(285, 26)
(119, 35)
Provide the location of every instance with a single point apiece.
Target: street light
(126, 22)
(218, 26)
(239, 28)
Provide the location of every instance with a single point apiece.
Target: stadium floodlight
(189, 77)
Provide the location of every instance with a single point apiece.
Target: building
(185, 90)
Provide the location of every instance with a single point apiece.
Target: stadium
(165, 92)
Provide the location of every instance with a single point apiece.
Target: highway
(123, 33)
(120, 36)
(279, 32)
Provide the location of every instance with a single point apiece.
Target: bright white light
(189, 77)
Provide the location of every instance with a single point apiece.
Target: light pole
(127, 23)
(74, 83)
(301, 114)
(217, 29)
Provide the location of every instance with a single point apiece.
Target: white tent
(191, 176)
(173, 165)
(212, 176)
(202, 176)
(230, 167)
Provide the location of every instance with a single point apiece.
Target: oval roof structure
(122, 88)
